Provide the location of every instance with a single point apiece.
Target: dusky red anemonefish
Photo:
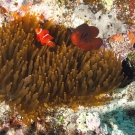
(84, 37)
(43, 37)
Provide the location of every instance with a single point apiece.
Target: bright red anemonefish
(44, 38)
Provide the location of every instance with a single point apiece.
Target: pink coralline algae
(120, 43)
(88, 122)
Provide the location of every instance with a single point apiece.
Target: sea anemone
(34, 77)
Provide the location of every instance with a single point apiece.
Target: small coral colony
(44, 65)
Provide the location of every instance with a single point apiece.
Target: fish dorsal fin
(82, 28)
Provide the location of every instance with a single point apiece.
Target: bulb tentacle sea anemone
(34, 77)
